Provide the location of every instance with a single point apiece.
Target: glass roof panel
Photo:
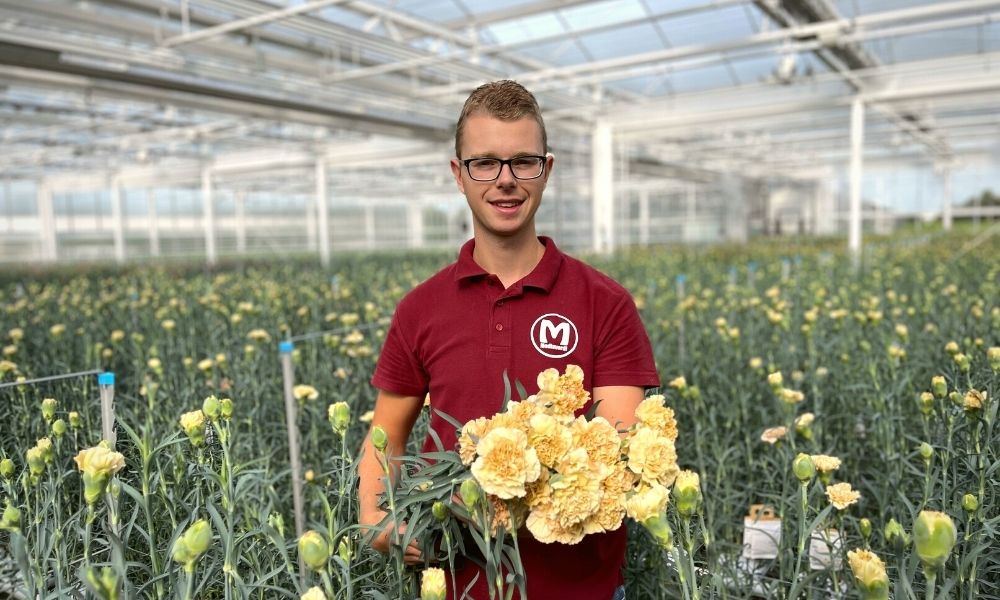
(934, 44)
(527, 28)
(727, 24)
(432, 10)
(621, 42)
(605, 13)
(703, 78)
(562, 53)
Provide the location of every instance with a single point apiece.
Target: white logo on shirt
(554, 336)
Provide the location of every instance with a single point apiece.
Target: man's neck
(510, 259)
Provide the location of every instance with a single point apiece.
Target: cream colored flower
(545, 527)
(472, 432)
(647, 502)
(192, 420)
(824, 463)
(505, 463)
(869, 573)
(576, 491)
(974, 400)
(773, 435)
(432, 584)
(652, 457)
(259, 335)
(314, 593)
(653, 414)
(775, 379)
(562, 394)
(841, 495)
(678, 383)
(304, 392)
(550, 439)
(99, 461)
(804, 420)
(519, 414)
(598, 438)
(611, 511)
(367, 416)
(790, 396)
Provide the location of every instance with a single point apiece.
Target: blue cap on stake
(681, 278)
(285, 347)
(106, 378)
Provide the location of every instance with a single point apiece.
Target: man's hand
(412, 555)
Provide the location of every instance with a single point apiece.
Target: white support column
(415, 224)
(946, 200)
(154, 228)
(47, 222)
(323, 212)
(369, 226)
(643, 217)
(602, 188)
(117, 219)
(240, 202)
(312, 227)
(688, 233)
(857, 150)
(208, 215)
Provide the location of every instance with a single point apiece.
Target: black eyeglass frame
(509, 162)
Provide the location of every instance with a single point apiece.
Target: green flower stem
(327, 584)
(394, 523)
(675, 553)
(689, 548)
(803, 515)
(931, 578)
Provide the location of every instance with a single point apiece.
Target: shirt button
(499, 327)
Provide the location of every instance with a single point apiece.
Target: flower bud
(895, 535)
(278, 522)
(439, 510)
(11, 519)
(658, 526)
(803, 468)
(956, 399)
(926, 403)
(193, 543)
(939, 386)
(970, 503)
(687, 493)
(226, 408)
(193, 424)
(865, 526)
(314, 550)
(6, 468)
(58, 428)
(74, 420)
(104, 585)
(963, 362)
(926, 452)
(432, 584)
(869, 574)
(309, 476)
(49, 409)
(471, 493)
(210, 406)
(973, 402)
(344, 549)
(934, 536)
(693, 393)
(339, 415)
(379, 438)
(993, 354)
(775, 380)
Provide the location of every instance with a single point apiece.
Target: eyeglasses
(488, 169)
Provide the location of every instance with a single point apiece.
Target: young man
(511, 302)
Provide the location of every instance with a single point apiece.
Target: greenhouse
(284, 313)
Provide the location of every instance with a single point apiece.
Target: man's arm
(396, 414)
(618, 404)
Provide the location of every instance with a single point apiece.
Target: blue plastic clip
(681, 278)
(285, 347)
(106, 378)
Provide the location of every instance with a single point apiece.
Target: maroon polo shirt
(456, 334)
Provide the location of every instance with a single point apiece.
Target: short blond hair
(505, 100)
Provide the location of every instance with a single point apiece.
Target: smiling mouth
(507, 203)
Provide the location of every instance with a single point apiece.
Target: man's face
(506, 206)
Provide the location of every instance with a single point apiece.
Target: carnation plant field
(834, 426)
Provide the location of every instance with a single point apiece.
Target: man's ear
(456, 171)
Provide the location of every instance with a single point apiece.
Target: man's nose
(506, 176)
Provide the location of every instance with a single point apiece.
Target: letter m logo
(548, 328)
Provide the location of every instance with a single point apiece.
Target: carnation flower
(611, 511)
(841, 495)
(545, 527)
(576, 491)
(505, 463)
(773, 435)
(432, 584)
(598, 438)
(653, 414)
(304, 392)
(647, 502)
(562, 394)
(313, 593)
(472, 432)
(869, 574)
(824, 463)
(652, 457)
(550, 439)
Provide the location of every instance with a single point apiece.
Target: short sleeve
(398, 369)
(623, 354)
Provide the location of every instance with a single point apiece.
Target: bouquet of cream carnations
(538, 467)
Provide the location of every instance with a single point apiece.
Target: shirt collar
(543, 276)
